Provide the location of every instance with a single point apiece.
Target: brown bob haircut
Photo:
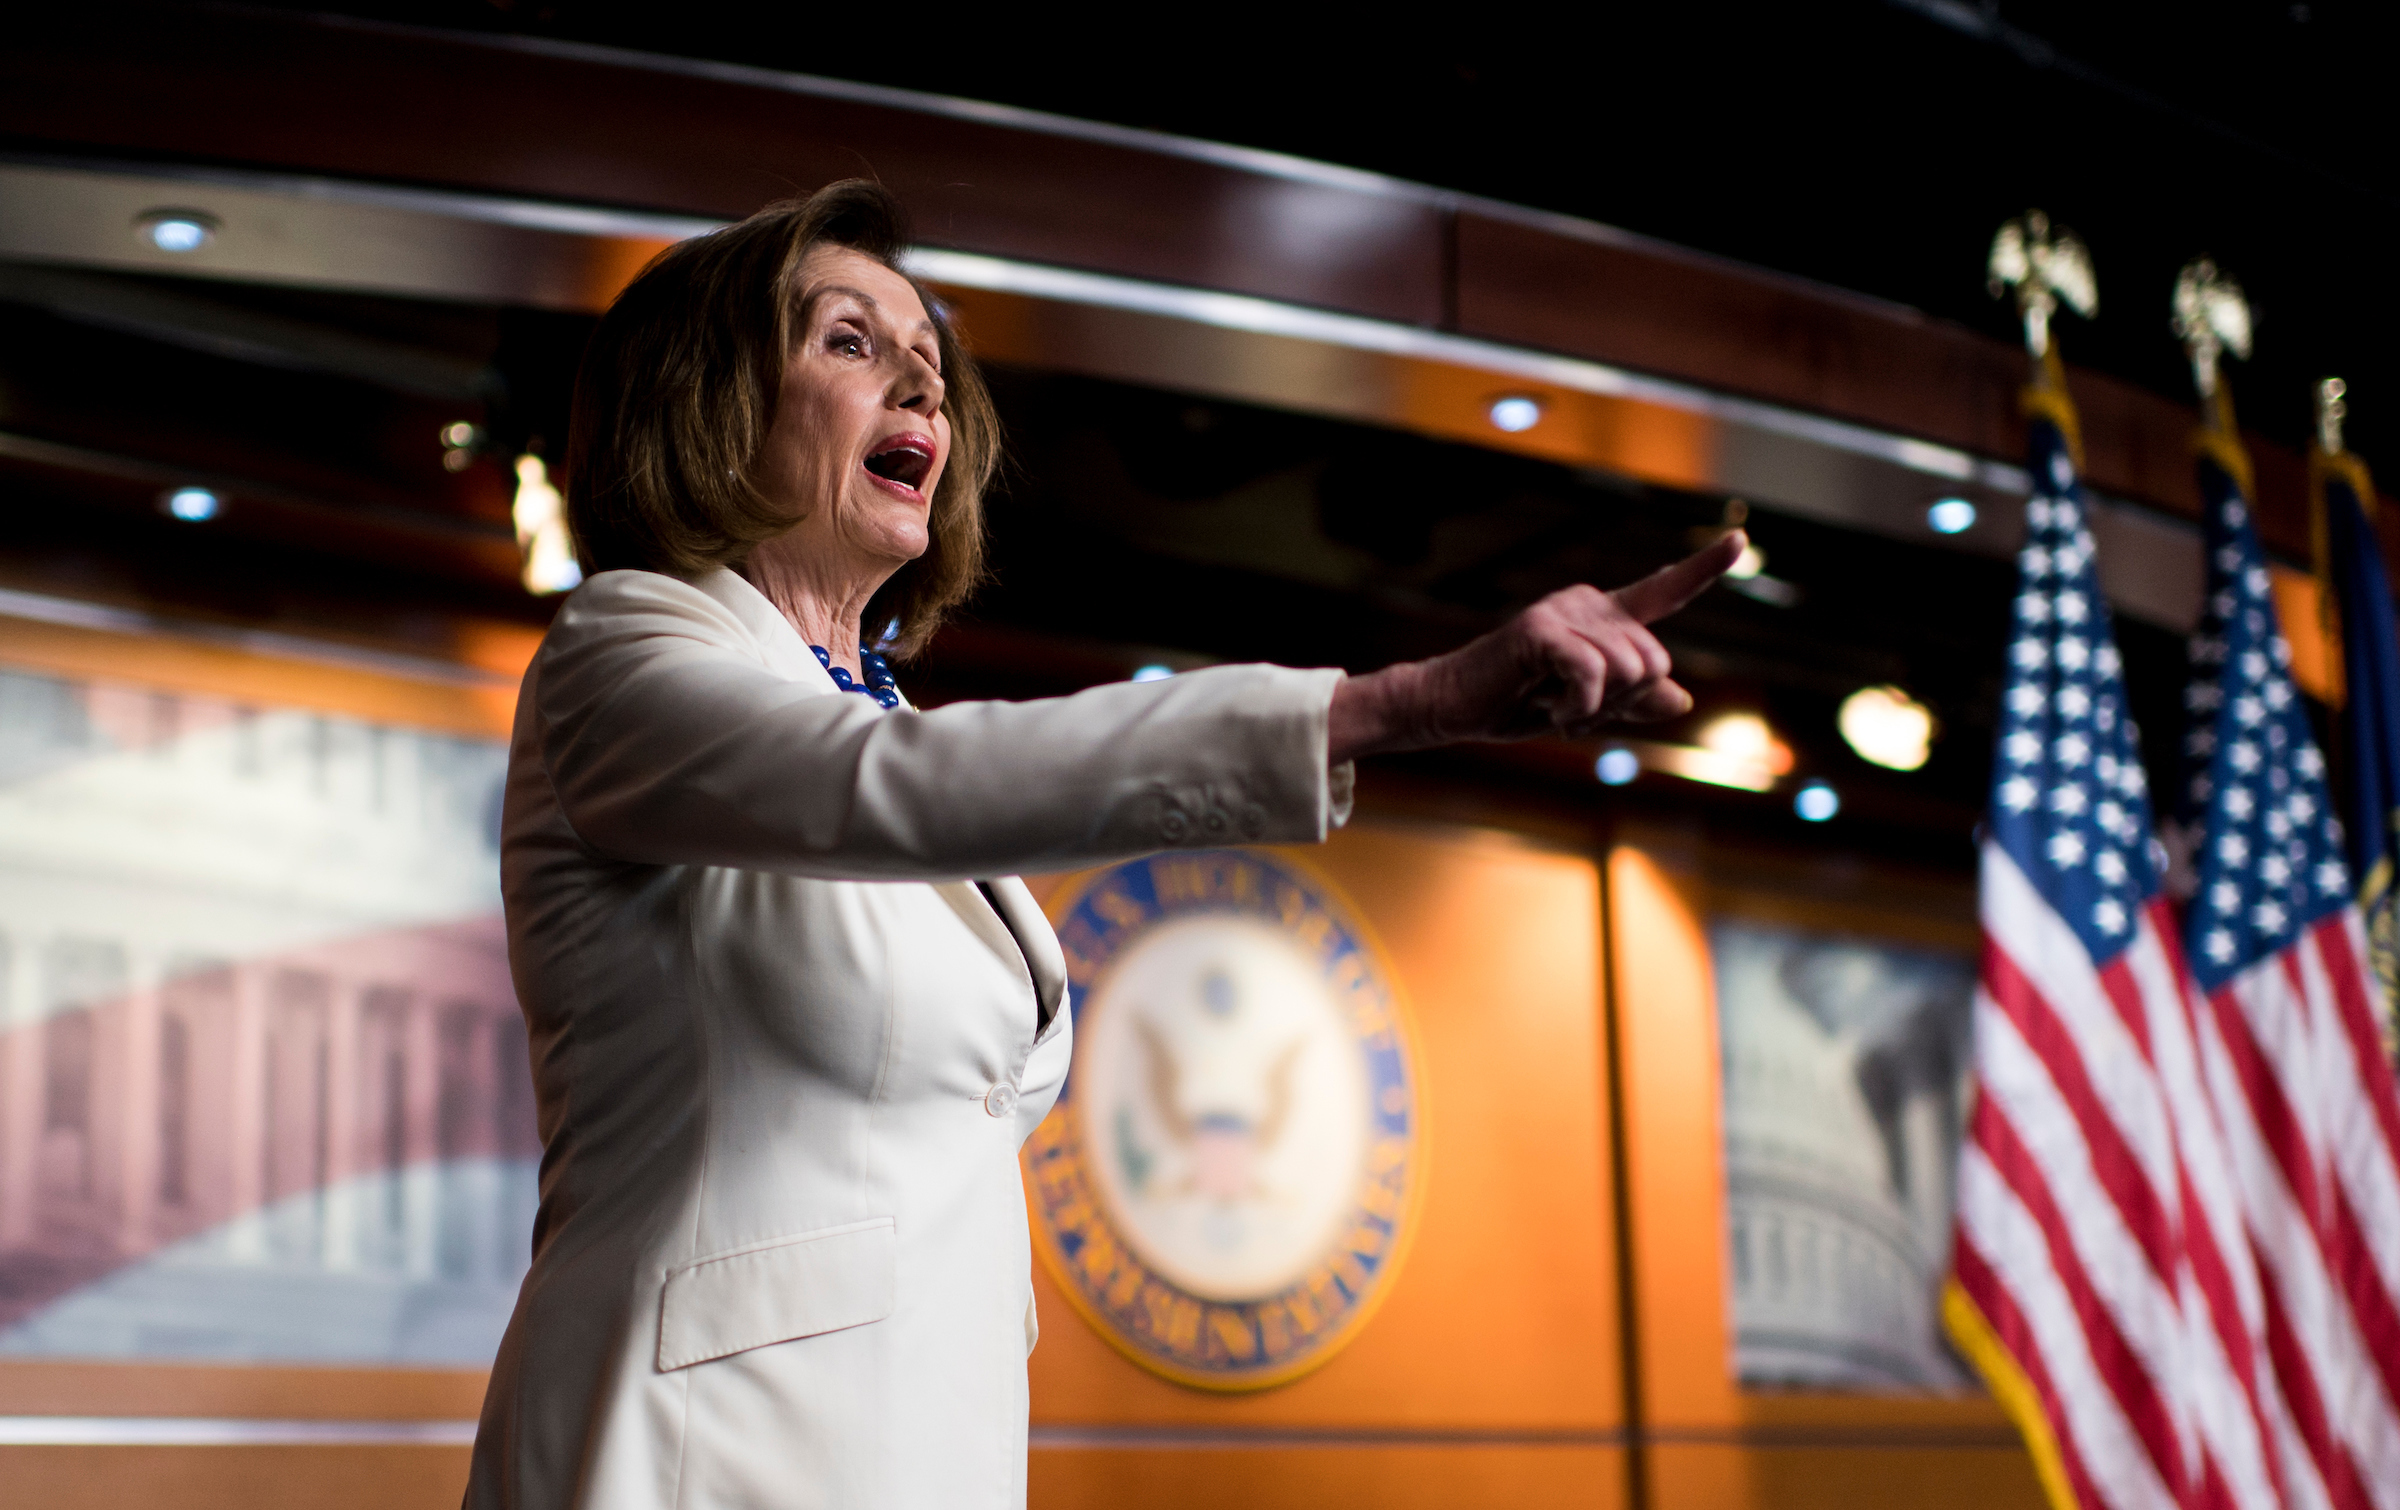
(678, 389)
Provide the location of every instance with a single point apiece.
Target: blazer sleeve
(667, 742)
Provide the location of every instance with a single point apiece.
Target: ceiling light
(1617, 766)
(541, 518)
(1745, 736)
(1516, 413)
(1816, 802)
(1888, 727)
(1951, 516)
(1152, 673)
(177, 230)
(192, 504)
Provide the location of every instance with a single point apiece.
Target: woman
(791, 1014)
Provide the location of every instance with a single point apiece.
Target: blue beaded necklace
(879, 686)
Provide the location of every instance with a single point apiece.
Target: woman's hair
(677, 392)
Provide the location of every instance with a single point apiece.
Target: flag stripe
(2262, 1096)
(2050, 955)
(2299, 1380)
(2128, 1376)
(2112, 1160)
(2307, 1337)
(2088, 1414)
(2346, 963)
(2235, 1429)
(2379, 1331)
(2008, 1325)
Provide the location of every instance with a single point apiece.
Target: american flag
(2112, 1194)
(2304, 1093)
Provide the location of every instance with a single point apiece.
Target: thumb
(1670, 587)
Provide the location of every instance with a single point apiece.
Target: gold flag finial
(2211, 318)
(2045, 265)
(2330, 412)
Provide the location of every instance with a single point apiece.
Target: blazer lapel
(779, 644)
(1016, 930)
(1039, 943)
(977, 914)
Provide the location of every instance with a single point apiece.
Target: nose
(918, 386)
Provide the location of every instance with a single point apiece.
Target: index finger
(1670, 587)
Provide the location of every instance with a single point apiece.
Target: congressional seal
(1226, 1185)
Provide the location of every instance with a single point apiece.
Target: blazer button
(1001, 1100)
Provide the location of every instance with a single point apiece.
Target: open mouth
(904, 459)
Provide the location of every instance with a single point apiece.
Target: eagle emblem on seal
(1226, 1186)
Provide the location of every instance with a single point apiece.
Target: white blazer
(785, 1047)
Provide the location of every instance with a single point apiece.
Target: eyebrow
(809, 305)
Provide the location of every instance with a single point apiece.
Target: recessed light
(191, 504)
(1748, 737)
(542, 534)
(1617, 766)
(1887, 726)
(1516, 413)
(177, 231)
(1152, 673)
(1816, 802)
(1951, 516)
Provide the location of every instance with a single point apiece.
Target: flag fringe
(1972, 1334)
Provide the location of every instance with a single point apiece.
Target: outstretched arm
(1578, 659)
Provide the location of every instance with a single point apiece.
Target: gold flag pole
(2045, 266)
(2211, 318)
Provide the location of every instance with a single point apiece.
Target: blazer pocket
(821, 1281)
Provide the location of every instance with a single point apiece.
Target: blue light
(1816, 802)
(1153, 673)
(1516, 413)
(1951, 516)
(1617, 766)
(193, 504)
(178, 233)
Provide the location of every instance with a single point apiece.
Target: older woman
(791, 1013)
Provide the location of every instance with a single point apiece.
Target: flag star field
(2069, 800)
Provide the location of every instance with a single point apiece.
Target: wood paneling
(46, 1387)
(234, 1478)
(1661, 309)
(580, 124)
(1710, 1476)
(1311, 1477)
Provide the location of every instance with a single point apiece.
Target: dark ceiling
(1872, 146)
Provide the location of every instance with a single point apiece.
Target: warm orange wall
(1706, 1443)
(1491, 1374)
(355, 1477)
(479, 702)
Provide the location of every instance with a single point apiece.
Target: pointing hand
(1578, 659)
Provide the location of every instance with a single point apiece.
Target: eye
(848, 340)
